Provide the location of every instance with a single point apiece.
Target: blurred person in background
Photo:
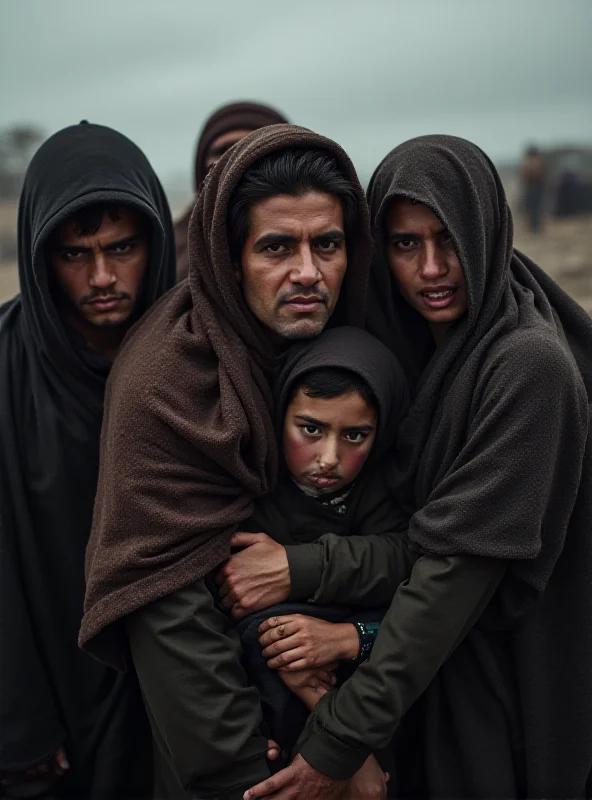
(533, 177)
(226, 126)
(96, 250)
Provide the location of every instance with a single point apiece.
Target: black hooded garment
(494, 457)
(51, 406)
(293, 518)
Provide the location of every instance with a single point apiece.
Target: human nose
(433, 261)
(101, 276)
(329, 455)
(305, 271)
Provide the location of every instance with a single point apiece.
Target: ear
(238, 273)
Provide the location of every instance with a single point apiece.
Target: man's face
(101, 273)
(328, 439)
(423, 260)
(223, 143)
(293, 262)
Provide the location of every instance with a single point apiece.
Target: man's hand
(369, 782)
(296, 641)
(256, 577)
(296, 782)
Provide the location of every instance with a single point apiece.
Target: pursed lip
(323, 480)
(104, 303)
(304, 303)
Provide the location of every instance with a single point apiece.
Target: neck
(105, 341)
(438, 330)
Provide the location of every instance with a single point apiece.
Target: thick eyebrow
(312, 421)
(330, 236)
(286, 238)
(133, 239)
(403, 235)
(275, 238)
(359, 429)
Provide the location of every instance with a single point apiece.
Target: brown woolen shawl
(188, 440)
(495, 455)
(230, 117)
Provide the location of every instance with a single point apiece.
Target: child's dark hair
(330, 382)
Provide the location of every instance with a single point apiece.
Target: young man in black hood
(95, 251)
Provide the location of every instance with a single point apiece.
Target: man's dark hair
(327, 382)
(293, 172)
(88, 219)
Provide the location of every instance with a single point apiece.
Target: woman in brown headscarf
(226, 126)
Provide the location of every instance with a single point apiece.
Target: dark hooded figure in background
(95, 251)
(481, 668)
(226, 126)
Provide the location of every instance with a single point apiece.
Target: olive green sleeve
(430, 614)
(364, 570)
(205, 718)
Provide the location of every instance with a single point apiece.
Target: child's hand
(309, 684)
(297, 642)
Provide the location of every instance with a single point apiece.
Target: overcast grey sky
(368, 73)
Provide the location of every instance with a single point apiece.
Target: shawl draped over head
(51, 406)
(494, 455)
(243, 115)
(359, 352)
(231, 117)
(188, 442)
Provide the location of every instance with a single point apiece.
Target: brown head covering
(188, 440)
(495, 455)
(231, 117)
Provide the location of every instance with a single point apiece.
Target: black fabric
(291, 517)
(495, 453)
(283, 712)
(51, 403)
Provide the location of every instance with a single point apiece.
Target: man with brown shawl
(482, 664)
(188, 441)
(226, 126)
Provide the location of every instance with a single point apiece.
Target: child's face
(327, 440)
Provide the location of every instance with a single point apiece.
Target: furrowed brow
(275, 238)
(133, 239)
(67, 248)
(330, 236)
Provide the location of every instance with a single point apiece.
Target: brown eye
(276, 249)
(309, 430)
(405, 244)
(356, 437)
(327, 245)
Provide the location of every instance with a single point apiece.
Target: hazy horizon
(369, 75)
